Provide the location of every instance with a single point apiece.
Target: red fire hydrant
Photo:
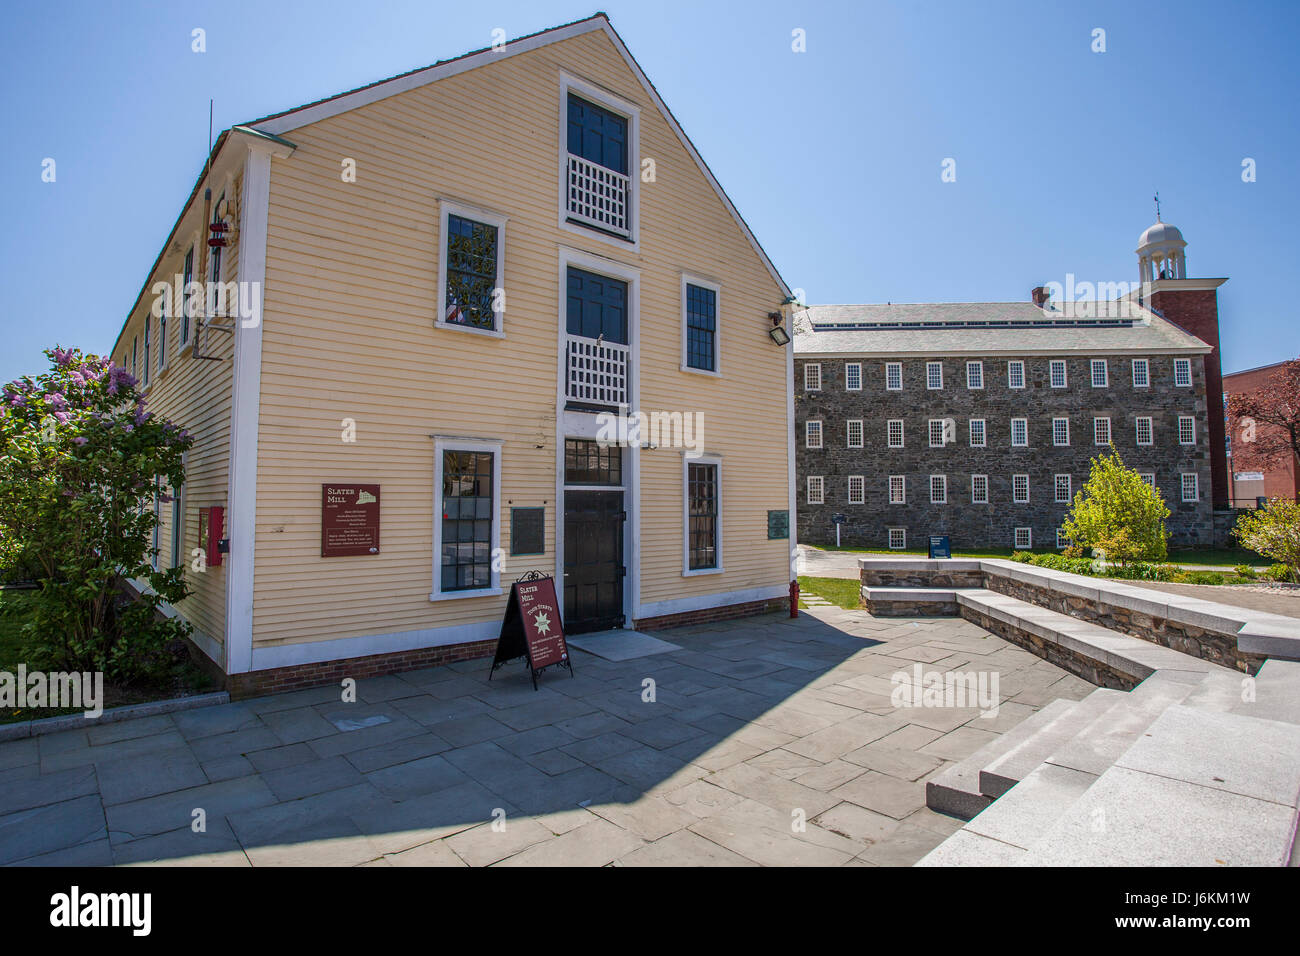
(794, 598)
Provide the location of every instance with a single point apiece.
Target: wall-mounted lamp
(778, 335)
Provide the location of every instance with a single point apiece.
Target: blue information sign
(939, 546)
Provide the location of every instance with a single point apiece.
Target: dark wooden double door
(593, 560)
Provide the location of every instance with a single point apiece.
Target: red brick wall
(707, 614)
(1279, 482)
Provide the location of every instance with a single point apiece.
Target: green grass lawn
(844, 592)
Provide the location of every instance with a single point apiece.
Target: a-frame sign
(532, 628)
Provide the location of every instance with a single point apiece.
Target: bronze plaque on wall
(349, 520)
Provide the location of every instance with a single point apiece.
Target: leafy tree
(1273, 530)
(81, 464)
(1266, 423)
(1118, 514)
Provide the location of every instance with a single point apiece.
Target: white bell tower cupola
(1160, 252)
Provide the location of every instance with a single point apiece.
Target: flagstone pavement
(763, 741)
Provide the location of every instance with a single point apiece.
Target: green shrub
(1277, 572)
(1118, 514)
(1169, 572)
(1204, 577)
(1245, 571)
(1274, 531)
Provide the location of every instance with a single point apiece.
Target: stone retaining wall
(1093, 671)
(880, 578)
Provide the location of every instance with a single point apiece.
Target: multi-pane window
(894, 432)
(936, 433)
(472, 251)
(1191, 487)
(1100, 373)
(1020, 489)
(853, 376)
(978, 433)
(897, 490)
(1062, 487)
(1016, 374)
(1186, 430)
(816, 489)
(938, 489)
(934, 375)
(979, 489)
(588, 462)
(1183, 372)
(894, 376)
(898, 538)
(1101, 431)
(974, 374)
(1057, 374)
(1060, 431)
(162, 339)
(215, 293)
(467, 510)
(1024, 538)
(1061, 540)
(857, 489)
(147, 337)
(177, 514)
(854, 428)
(1019, 432)
(702, 521)
(1141, 373)
(1149, 478)
(812, 377)
(812, 431)
(701, 328)
(1144, 432)
(188, 277)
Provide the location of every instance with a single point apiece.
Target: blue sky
(832, 155)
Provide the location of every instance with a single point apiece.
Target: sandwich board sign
(532, 628)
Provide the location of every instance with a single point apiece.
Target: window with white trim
(471, 269)
(1149, 477)
(148, 336)
(1191, 486)
(1061, 540)
(979, 489)
(1058, 373)
(1141, 373)
(854, 429)
(933, 375)
(812, 377)
(703, 515)
(857, 489)
(894, 376)
(897, 538)
(938, 489)
(897, 490)
(936, 433)
(812, 434)
(1019, 432)
(1062, 483)
(1016, 374)
(978, 433)
(1186, 430)
(1100, 373)
(1060, 431)
(1020, 489)
(853, 376)
(816, 490)
(1183, 373)
(467, 476)
(1101, 431)
(974, 374)
(700, 325)
(1024, 539)
(1144, 430)
(187, 276)
(895, 433)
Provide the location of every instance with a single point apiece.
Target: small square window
(1100, 374)
(1144, 431)
(1060, 431)
(979, 489)
(1101, 431)
(897, 490)
(894, 376)
(1183, 373)
(938, 438)
(895, 432)
(978, 434)
(897, 538)
(1141, 373)
(1063, 488)
(1024, 539)
(934, 375)
(853, 376)
(1191, 487)
(974, 374)
(813, 434)
(857, 489)
(1020, 489)
(1016, 374)
(1148, 478)
(816, 490)
(854, 428)
(1058, 374)
(938, 489)
(812, 377)
(1186, 430)
(1019, 432)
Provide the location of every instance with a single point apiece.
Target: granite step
(956, 791)
(1018, 762)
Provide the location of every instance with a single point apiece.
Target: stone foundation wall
(890, 608)
(1094, 672)
(874, 578)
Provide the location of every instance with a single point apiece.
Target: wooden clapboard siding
(348, 334)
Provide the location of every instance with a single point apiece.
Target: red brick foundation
(705, 615)
(299, 676)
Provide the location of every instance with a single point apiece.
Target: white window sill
(710, 373)
(696, 572)
(457, 327)
(457, 595)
